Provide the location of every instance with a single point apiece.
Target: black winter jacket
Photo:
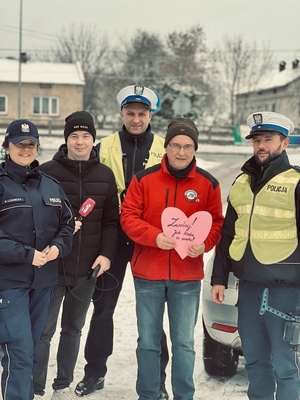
(34, 213)
(98, 234)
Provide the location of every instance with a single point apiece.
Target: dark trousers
(271, 363)
(22, 318)
(74, 293)
(99, 343)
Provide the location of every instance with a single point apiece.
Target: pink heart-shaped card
(185, 231)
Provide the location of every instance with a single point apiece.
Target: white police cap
(140, 95)
(267, 121)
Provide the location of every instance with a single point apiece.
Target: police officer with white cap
(260, 242)
(134, 148)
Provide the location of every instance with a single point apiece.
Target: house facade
(43, 92)
(279, 92)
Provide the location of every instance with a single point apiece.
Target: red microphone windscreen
(86, 208)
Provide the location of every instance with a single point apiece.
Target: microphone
(86, 208)
(94, 272)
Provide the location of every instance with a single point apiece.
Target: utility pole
(20, 62)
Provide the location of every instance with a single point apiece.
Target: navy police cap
(20, 130)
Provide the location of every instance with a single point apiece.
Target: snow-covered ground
(121, 375)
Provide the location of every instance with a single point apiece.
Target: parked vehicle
(221, 341)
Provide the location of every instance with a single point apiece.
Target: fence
(207, 134)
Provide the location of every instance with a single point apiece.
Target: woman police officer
(36, 227)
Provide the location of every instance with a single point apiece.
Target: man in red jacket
(160, 274)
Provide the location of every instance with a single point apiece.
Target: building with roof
(278, 91)
(49, 91)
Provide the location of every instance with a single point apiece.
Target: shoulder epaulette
(208, 176)
(296, 167)
(147, 171)
(50, 177)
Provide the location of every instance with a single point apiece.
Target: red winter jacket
(149, 193)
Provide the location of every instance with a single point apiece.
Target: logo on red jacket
(191, 195)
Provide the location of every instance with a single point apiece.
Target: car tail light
(224, 328)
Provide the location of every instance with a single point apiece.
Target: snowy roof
(278, 79)
(274, 79)
(41, 72)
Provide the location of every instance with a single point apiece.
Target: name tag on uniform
(13, 200)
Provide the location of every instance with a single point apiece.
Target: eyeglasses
(177, 147)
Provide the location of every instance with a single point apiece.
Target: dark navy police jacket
(34, 213)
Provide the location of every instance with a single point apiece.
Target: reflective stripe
(243, 233)
(274, 212)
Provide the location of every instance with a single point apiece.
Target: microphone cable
(102, 289)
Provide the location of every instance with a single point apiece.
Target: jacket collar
(261, 176)
(188, 172)
(62, 156)
(129, 137)
(19, 173)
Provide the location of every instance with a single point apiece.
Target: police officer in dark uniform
(36, 228)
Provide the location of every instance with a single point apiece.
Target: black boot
(88, 385)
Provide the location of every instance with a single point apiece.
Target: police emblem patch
(258, 119)
(139, 90)
(25, 128)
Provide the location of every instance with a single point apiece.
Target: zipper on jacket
(167, 196)
(125, 169)
(133, 161)
(166, 205)
(174, 205)
(79, 232)
(175, 194)
(250, 216)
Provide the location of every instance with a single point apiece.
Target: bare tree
(144, 56)
(85, 44)
(238, 65)
(187, 55)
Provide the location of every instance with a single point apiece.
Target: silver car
(221, 341)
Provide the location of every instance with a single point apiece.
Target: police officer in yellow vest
(260, 242)
(126, 152)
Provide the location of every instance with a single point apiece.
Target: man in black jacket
(76, 166)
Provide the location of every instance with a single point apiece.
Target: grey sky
(275, 22)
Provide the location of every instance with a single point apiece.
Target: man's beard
(271, 157)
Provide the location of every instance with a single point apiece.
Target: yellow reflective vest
(267, 220)
(111, 155)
